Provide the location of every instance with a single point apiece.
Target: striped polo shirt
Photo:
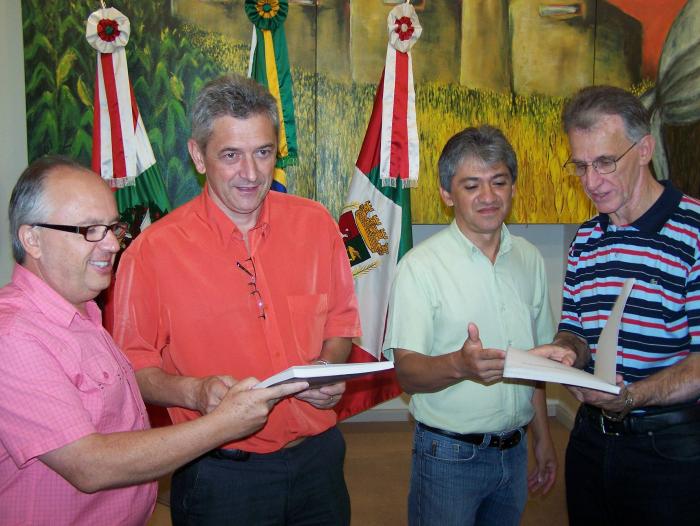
(661, 250)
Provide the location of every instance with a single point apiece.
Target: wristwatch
(629, 405)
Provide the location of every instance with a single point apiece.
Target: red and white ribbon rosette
(399, 158)
(120, 149)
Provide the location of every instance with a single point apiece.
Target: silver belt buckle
(604, 427)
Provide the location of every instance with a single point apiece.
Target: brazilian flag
(269, 65)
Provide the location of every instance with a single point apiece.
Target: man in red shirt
(243, 282)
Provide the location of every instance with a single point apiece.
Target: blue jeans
(300, 485)
(456, 483)
(649, 479)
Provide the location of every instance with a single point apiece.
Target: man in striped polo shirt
(633, 457)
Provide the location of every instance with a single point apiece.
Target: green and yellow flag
(269, 65)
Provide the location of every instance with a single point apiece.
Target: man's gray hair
(484, 143)
(233, 96)
(28, 204)
(590, 104)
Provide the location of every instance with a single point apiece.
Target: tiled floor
(377, 471)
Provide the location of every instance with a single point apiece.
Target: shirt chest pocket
(101, 386)
(308, 314)
(519, 319)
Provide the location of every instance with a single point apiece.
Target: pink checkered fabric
(61, 378)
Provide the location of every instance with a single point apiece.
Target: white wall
(13, 127)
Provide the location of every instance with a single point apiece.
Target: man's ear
(646, 147)
(446, 197)
(197, 156)
(31, 241)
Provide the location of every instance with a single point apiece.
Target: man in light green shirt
(458, 300)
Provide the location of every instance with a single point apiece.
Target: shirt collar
(54, 306)
(657, 215)
(503, 248)
(222, 224)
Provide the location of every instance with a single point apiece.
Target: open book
(522, 364)
(318, 375)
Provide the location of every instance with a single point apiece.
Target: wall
(13, 131)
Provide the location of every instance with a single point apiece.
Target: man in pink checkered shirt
(75, 443)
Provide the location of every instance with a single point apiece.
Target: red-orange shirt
(181, 302)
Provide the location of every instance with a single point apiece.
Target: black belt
(506, 441)
(229, 454)
(641, 424)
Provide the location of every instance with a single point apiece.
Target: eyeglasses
(91, 233)
(253, 283)
(602, 166)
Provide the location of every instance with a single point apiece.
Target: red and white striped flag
(399, 151)
(120, 150)
(376, 220)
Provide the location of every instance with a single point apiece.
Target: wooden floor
(377, 468)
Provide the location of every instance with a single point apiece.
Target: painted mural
(509, 63)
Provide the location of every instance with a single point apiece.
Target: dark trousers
(301, 485)
(650, 479)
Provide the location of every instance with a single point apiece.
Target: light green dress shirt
(443, 284)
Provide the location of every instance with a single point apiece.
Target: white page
(522, 364)
(606, 352)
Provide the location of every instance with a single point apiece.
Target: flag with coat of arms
(376, 220)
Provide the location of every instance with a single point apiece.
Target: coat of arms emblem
(363, 236)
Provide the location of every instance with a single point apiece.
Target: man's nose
(487, 194)
(591, 179)
(247, 169)
(110, 243)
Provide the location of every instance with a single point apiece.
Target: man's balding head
(27, 202)
(58, 191)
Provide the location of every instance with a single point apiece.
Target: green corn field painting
(514, 74)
